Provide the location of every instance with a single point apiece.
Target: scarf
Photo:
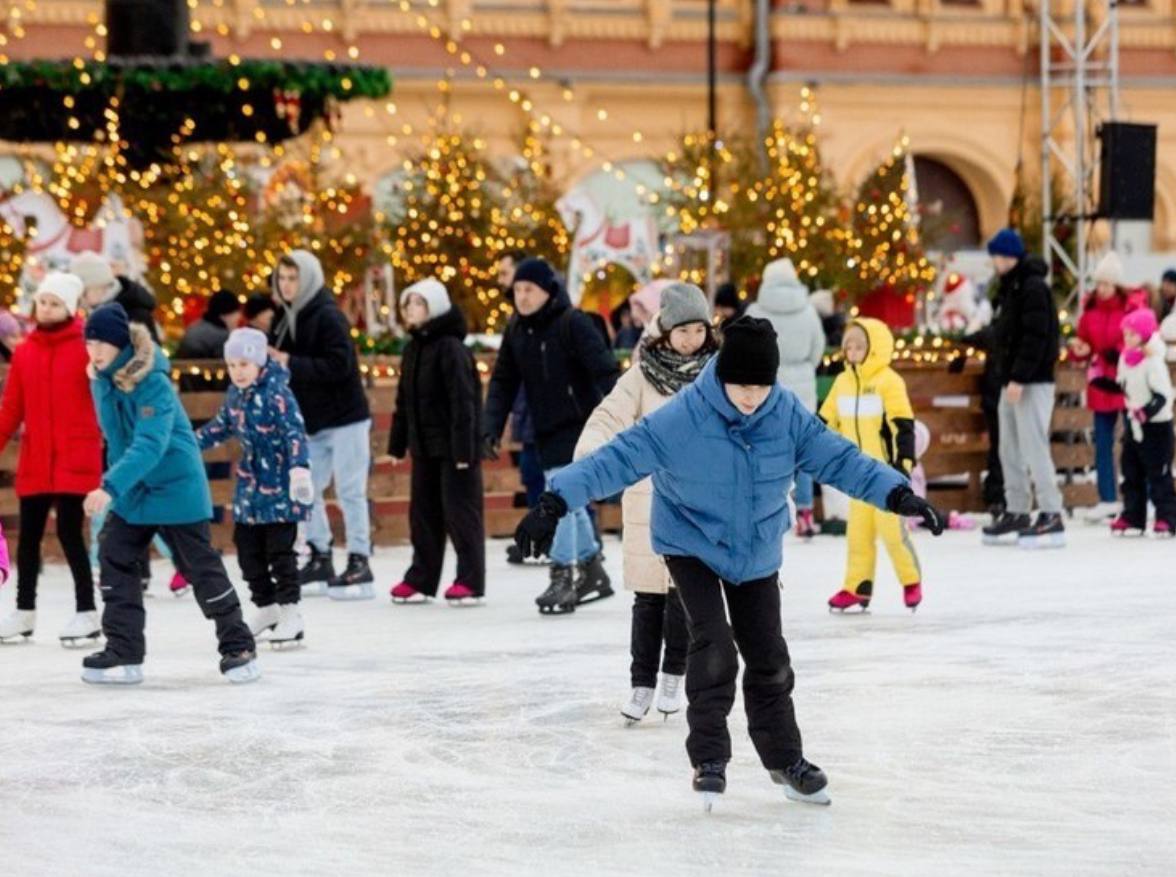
(669, 371)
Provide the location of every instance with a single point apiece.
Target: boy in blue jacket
(723, 454)
(155, 483)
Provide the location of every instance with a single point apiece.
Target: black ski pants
(657, 618)
(446, 501)
(34, 516)
(268, 561)
(1147, 474)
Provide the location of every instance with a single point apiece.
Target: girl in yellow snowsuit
(868, 404)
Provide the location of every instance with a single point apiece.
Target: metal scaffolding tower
(1079, 92)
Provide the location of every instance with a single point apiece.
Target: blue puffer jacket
(155, 473)
(266, 420)
(720, 478)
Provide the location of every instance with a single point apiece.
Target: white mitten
(301, 487)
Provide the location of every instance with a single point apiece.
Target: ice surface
(1023, 722)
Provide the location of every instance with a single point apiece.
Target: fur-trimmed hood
(140, 362)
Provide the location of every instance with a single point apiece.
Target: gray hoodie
(785, 302)
(310, 281)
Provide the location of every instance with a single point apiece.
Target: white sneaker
(20, 623)
(83, 626)
(669, 695)
(289, 629)
(1100, 513)
(639, 703)
(265, 618)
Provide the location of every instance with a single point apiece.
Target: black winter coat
(439, 399)
(324, 369)
(205, 339)
(1025, 331)
(566, 368)
(138, 303)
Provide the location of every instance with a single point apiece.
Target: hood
(451, 322)
(1029, 266)
(139, 359)
(711, 388)
(133, 295)
(433, 292)
(779, 296)
(881, 349)
(310, 281)
(273, 374)
(648, 297)
(555, 305)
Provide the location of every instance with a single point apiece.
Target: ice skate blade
(347, 593)
(1007, 540)
(1132, 533)
(414, 600)
(77, 642)
(464, 602)
(820, 798)
(244, 674)
(286, 645)
(850, 610)
(17, 638)
(631, 720)
(708, 801)
(314, 589)
(127, 674)
(557, 610)
(665, 714)
(1042, 543)
(594, 596)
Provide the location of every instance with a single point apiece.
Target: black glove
(489, 447)
(1155, 405)
(1110, 357)
(905, 502)
(536, 531)
(1107, 385)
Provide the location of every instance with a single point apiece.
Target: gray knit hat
(682, 303)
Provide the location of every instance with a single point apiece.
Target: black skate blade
(557, 610)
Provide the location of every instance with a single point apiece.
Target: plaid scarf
(669, 371)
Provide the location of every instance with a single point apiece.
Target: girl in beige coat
(675, 347)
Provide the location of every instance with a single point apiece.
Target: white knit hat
(248, 344)
(1109, 269)
(64, 286)
(95, 272)
(433, 292)
(779, 271)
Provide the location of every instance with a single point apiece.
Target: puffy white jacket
(1143, 380)
(799, 335)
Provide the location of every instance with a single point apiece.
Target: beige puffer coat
(632, 398)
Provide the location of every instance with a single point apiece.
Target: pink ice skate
(844, 600)
(1163, 529)
(1121, 526)
(406, 593)
(178, 585)
(912, 595)
(461, 595)
(804, 524)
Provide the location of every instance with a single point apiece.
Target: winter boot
(82, 627)
(804, 524)
(640, 700)
(1047, 531)
(458, 594)
(912, 595)
(1123, 526)
(107, 668)
(560, 596)
(803, 781)
(264, 619)
(710, 779)
(847, 599)
(178, 585)
(318, 571)
(240, 667)
(288, 631)
(19, 624)
(514, 556)
(1163, 529)
(669, 695)
(1007, 525)
(406, 593)
(355, 583)
(593, 582)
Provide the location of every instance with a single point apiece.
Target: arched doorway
(950, 218)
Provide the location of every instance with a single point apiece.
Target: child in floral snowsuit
(274, 490)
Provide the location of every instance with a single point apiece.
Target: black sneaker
(560, 596)
(593, 582)
(802, 781)
(355, 582)
(710, 779)
(240, 667)
(107, 668)
(319, 568)
(1008, 524)
(1047, 531)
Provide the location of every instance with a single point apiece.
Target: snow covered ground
(1023, 722)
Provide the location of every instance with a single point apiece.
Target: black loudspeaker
(1127, 171)
(146, 28)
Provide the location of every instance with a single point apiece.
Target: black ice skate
(1005, 530)
(107, 668)
(803, 782)
(593, 583)
(1047, 531)
(560, 596)
(318, 571)
(710, 779)
(355, 582)
(240, 667)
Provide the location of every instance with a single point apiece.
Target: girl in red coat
(1098, 343)
(60, 452)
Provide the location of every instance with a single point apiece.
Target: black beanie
(221, 303)
(749, 355)
(109, 323)
(727, 296)
(258, 304)
(537, 271)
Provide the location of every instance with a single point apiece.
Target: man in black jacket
(1025, 337)
(312, 338)
(556, 353)
(101, 286)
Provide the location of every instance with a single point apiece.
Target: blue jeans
(531, 473)
(575, 539)
(342, 454)
(1104, 454)
(804, 491)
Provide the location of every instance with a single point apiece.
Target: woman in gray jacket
(784, 300)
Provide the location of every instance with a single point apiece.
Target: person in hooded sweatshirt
(312, 339)
(722, 453)
(438, 406)
(785, 302)
(102, 286)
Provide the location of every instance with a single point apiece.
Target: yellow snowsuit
(868, 404)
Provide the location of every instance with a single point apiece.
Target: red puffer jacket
(1100, 326)
(47, 389)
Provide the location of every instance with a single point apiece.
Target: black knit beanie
(749, 355)
(258, 304)
(727, 296)
(109, 323)
(221, 303)
(540, 273)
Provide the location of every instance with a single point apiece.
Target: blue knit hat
(1007, 242)
(109, 323)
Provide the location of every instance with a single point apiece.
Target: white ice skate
(669, 695)
(639, 703)
(18, 626)
(264, 619)
(288, 632)
(1100, 513)
(82, 630)
(240, 668)
(106, 668)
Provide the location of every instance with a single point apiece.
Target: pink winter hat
(1142, 322)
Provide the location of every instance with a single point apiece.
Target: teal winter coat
(721, 478)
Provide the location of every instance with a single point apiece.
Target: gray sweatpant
(1024, 450)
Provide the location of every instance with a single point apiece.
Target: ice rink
(1023, 722)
